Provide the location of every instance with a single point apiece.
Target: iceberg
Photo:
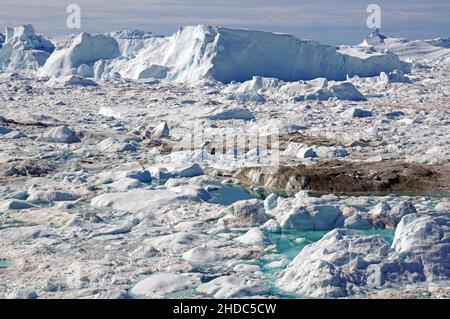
(22, 48)
(440, 42)
(419, 49)
(197, 53)
(84, 50)
(319, 89)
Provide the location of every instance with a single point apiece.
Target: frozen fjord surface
(53, 230)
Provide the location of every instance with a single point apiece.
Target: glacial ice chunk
(60, 134)
(159, 285)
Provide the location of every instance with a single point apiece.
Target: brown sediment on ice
(350, 177)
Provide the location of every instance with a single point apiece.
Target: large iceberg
(198, 52)
(84, 51)
(22, 48)
(201, 52)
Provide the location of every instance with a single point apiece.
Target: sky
(327, 21)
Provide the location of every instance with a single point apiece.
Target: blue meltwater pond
(288, 245)
(4, 263)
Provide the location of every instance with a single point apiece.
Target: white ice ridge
(207, 52)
